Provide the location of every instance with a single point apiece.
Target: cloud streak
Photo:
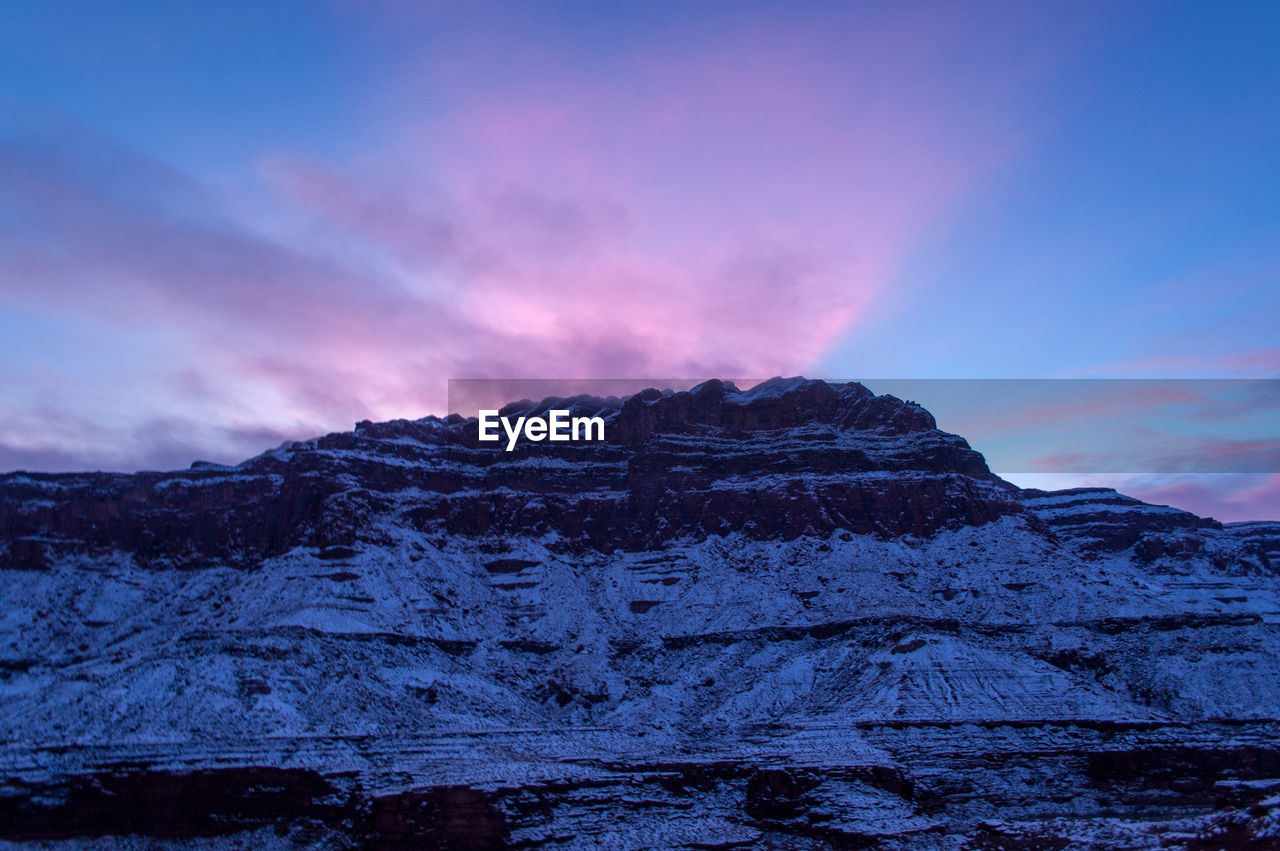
(726, 204)
(1228, 499)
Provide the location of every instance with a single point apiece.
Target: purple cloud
(1225, 498)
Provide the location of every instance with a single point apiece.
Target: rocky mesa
(795, 616)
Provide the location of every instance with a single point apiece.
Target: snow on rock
(793, 614)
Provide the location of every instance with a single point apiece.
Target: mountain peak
(744, 611)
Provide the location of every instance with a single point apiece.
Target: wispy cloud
(1168, 454)
(1252, 362)
(1225, 498)
(728, 203)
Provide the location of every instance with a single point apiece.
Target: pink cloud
(1164, 453)
(1254, 362)
(728, 202)
(730, 205)
(1009, 409)
(1225, 498)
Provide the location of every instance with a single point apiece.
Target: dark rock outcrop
(794, 616)
(786, 459)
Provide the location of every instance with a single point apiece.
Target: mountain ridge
(794, 616)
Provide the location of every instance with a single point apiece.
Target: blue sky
(1137, 225)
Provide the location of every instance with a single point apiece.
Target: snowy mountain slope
(774, 616)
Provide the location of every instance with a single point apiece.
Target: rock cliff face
(798, 616)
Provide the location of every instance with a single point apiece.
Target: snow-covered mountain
(798, 616)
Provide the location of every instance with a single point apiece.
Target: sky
(227, 225)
